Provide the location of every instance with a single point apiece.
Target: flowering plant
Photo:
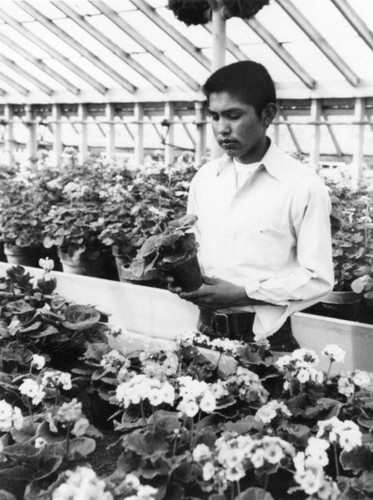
(26, 197)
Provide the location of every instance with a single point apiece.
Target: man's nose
(223, 126)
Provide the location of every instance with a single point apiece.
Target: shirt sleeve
(313, 278)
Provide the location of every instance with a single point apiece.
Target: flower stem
(142, 413)
(336, 460)
(30, 409)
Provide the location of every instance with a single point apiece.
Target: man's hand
(214, 294)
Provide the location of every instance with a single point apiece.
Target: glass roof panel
(15, 11)
(117, 35)
(282, 27)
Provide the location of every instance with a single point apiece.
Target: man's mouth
(227, 143)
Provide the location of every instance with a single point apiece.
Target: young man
(263, 218)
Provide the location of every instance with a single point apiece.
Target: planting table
(152, 318)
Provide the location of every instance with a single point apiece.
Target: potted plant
(200, 11)
(26, 198)
(172, 252)
(74, 223)
(352, 248)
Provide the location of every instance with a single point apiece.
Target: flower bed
(203, 420)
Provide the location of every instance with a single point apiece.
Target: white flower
(82, 484)
(38, 361)
(345, 386)
(46, 264)
(32, 390)
(9, 417)
(80, 427)
(334, 352)
(207, 403)
(361, 379)
(40, 442)
(201, 452)
(208, 471)
(188, 407)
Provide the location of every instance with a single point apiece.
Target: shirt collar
(271, 161)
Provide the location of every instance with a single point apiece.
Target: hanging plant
(191, 11)
(200, 11)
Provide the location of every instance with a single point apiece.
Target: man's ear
(269, 113)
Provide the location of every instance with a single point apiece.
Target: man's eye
(234, 117)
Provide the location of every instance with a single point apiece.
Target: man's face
(237, 127)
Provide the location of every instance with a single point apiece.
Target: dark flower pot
(342, 305)
(187, 274)
(90, 263)
(23, 256)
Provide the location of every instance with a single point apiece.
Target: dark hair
(247, 80)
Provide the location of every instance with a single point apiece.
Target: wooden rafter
(51, 51)
(83, 51)
(282, 53)
(321, 43)
(114, 48)
(231, 46)
(333, 137)
(25, 74)
(180, 39)
(116, 19)
(39, 63)
(355, 20)
(12, 83)
(2, 92)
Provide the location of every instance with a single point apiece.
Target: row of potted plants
(90, 213)
(208, 420)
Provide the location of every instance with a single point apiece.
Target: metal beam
(281, 52)
(51, 51)
(116, 19)
(172, 32)
(355, 20)
(17, 86)
(230, 46)
(69, 40)
(109, 44)
(321, 43)
(25, 74)
(38, 63)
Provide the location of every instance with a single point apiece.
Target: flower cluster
(309, 470)
(132, 489)
(197, 395)
(33, 390)
(233, 455)
(225, 345)
(271, 410)
(140, 388)
(300, 366)
(82, 483)
(345, 433)
(56, 379)
(248, 386)
(68, 415)
(334, 353)
(10, 417)
(350, 382)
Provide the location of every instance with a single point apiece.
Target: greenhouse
(186, 251)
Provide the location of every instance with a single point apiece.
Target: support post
(139, 132)
(169, 152)
(315, 116)
(31, 142)
(110, 137)
(358, 141)
(218, 60)
(57, 135)
(9, 133)
(82, 117)
(201, 131)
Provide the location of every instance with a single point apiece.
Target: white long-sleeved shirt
(271, 235)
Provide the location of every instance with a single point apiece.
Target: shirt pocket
(271, 244)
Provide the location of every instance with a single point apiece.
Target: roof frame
(321, 43)
(172, 32)
(51, 51)
(83, 51)
(12, 83)
(355, 21)
(38, 63)
(113, 47)
(116, 19)
(281, 52)
(25, 74)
